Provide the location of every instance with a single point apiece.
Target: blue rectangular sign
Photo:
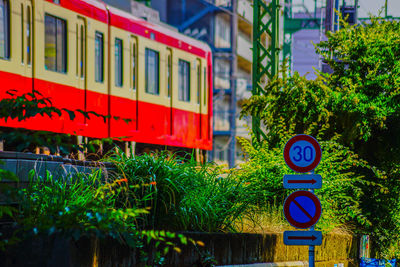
(302, 181)
(302, 238)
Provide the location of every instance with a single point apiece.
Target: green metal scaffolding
(265, 59)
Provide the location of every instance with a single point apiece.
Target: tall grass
(268, 219)
(76, 206)
(180, 195)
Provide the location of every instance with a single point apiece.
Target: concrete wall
(23, 163)
(220, 249)
(231, 249)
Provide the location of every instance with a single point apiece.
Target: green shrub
(346, 181)
(80, 206)
(180, 195)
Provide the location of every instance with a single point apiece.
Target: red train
(89, 56)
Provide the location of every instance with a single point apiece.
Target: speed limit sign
(302, 153)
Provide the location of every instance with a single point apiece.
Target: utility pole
(386, 8)
(233, 85)
(265, 59)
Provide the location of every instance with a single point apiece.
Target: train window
(99, 57)
(4, 29)
(205, 85)
(169, 72)
(28, 36)
(118, 62)
(55, 53)
(134, 65)
(184, 81)
(152, 72)
(198, 81)
(22, 34)
(82, 49)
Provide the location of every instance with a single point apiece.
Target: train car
(88, 56)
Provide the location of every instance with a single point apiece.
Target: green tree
(366, 88)
(358, 106)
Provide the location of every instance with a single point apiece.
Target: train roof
(97, 9)
(166, 35)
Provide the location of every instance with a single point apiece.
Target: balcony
(243, 88)
(244, 46)
(221, 121)
(245, 10)
(223, 3)
(245, 19)
(222, 83)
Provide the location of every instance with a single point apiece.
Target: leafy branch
(29, 105)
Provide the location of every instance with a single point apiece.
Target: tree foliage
(357, 107)
(366, 87)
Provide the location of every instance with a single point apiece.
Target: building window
(152, 72)
(99, 57)
(4, 29)
(223, 33)
(221, 155)
(118, 62)
(222, 74)
(55, 53)
(184, 81)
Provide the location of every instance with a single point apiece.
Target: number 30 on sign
(302, 153)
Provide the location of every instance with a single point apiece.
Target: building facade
(226, 25)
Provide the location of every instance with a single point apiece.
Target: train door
(27, 42)
(199, 94)
(81, 58)
(170, 89)
(133, 88)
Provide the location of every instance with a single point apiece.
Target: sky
(365, 6)
(372, 6)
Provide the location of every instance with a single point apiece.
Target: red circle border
(315, 200)
(314, 143)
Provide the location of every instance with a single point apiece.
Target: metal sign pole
(311, 253)
(311, 249)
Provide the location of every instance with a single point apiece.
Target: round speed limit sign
(302, 153)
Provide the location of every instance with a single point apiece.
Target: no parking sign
(302, 209)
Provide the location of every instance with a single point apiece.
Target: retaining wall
(22, 163)
(220, 249)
